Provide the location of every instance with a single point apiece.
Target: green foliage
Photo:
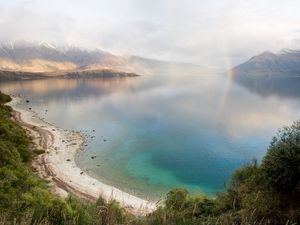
(181, 208)
(281, 171)
(15, 178)
(281, 165)
(176, 199)
(4, 98)
(269, 191)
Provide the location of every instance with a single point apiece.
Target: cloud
(219, 33)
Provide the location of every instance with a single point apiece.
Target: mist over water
(153, 133)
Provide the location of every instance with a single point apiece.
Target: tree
(176, 199)
(281, 165)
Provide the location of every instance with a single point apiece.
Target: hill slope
(44, 57)
(271, 74)
(30, 60)
(268, 64)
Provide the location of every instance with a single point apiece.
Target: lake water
(153, 133)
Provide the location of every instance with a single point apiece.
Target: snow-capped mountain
(46, 57)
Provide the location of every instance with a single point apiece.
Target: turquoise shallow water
(154, 133)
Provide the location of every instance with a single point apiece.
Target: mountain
(268, 64)
(45, 57)
(271, 74)
(33, 57)
(19, 75)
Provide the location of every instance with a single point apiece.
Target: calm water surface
(153, 133)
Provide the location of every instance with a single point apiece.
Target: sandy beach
(58, 165)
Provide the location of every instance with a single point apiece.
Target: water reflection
(283, 87)
(70, 88)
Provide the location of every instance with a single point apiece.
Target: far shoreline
(58, 165)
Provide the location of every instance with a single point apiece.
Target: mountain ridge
(44, 57)
(41, 57)
(271, 74)
(268, 64)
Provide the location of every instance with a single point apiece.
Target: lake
(149, 134)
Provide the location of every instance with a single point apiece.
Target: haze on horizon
(218, 33)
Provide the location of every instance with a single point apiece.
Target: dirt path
(43, 138)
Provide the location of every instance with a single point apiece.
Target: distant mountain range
(44, 57)
(269, 73)
(32, 60)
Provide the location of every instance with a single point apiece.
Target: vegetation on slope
(265, 193)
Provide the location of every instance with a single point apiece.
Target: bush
(4, 98)
(176, 199)
(281, 165)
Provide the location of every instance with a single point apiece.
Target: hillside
(44, 57)
(26, 60)
(34, 57)
(19, 75)
(268, 64)
(271, 74)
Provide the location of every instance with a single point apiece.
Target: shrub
(281, 165)
(176, 199)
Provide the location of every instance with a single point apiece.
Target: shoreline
(57, 165)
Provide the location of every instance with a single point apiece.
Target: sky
(214, 33)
